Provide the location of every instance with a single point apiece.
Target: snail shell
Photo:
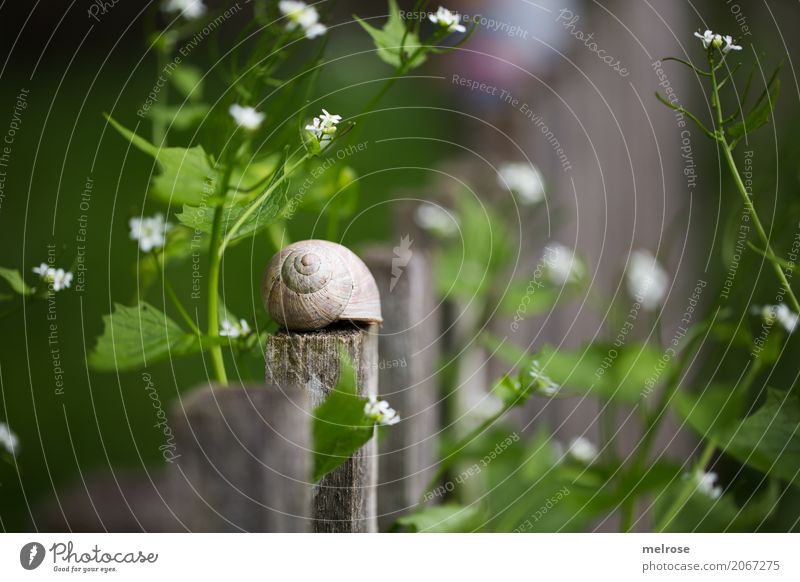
(313, 283)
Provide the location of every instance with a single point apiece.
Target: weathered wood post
(242, 459)
(407, 374)
(344, 500)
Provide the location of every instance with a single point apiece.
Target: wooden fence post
(242, 459)
(344, 501)
(407, 371)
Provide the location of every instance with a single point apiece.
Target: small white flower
(189, 9)
(522, 179)
(729, 46)
(42, 270)
(302, 15)
(61, 279)
(446, 19)
(706, 38)
(246, 117)
(562, 265)
(583, 450)
(436, 219)
(380, 412)
(723, 43)
(150, 232)
(8, 439)
(705, 484)
(315, 30)
(647, 280)
(323, 127)
(234, 330)
(785, 316)
(58, 278)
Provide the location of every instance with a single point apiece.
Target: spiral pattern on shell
(310, 284)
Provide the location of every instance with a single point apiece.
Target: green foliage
(610, 373)
(15, 281)
(340, 425)
(396, 44)
(761, 111)
(449, 518)
(137, 336)
(768, 439)
(701, 512)
(187, 176)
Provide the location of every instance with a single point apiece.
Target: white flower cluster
(723, 43)
(58, 278)
(8, 439)
(647, 280)
(706, 484)
(323, 128)
(380, 412)
(246, 117)
(302, 15)
(434, 218)
(562, 265)
(522, 179)
(446, 19)
(151, 233)
(583, 450)
(233, 329)
(781, 313)
(189, 9)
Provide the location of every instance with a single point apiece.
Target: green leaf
(15, 280)
(702, 513)
(625, 373)
(186, 177)
(340, 425)
(272, 207)
(448, 518)
(768, 440)
(181, 117)
(391, 37)
(759, 115)
(188, 80)
(137, 336)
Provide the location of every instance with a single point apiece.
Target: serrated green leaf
(15, 280)
(448, 518)
(768, 439)
(340, 425)
(137, 336)
(202, 219)
(389, 40)
(186, 174)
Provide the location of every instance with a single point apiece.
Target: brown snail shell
(313, 283)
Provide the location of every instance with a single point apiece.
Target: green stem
(448, 460)
(215, 262)
(219, 250)
(688, 488)
(748, 203)
(705, 457)
(173, 297)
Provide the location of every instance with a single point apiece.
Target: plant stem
(448, 460)
(688, 488)
(705, 457)
(173, 297)
(748, 203)
(215, 261)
